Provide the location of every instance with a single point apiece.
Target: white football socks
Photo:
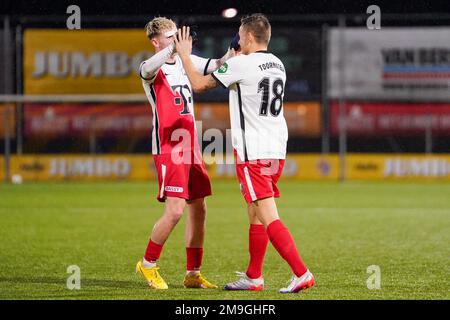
(192, 272)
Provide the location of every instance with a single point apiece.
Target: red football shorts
(258, 178)
(188, 180)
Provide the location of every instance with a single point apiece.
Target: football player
(256, 80)
(182, 176)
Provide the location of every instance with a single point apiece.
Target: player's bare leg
(265, 210)
(252, 279)
(173, 212)
(195, 235)
(281, 239)
(195, 224)
(252, 217)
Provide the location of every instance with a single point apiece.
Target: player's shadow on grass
(84, 282)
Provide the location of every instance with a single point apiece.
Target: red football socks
(282, 240)
(194, 258)
(153, 251)
(257, 244)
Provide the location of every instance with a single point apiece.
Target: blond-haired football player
(184, 182)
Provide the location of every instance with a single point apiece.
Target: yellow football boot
(197, 281)
(152, 276)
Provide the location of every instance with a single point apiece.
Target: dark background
(99, 7)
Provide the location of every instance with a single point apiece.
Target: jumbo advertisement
(301, 167)
(140, 167)
(389, 64)
(82, 167)
(398, 167)
(61, 61)
(84, 61)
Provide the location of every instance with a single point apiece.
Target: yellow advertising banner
(83, 167)
(300, 167)
(84, 61)
(140, 167)
(397, 167)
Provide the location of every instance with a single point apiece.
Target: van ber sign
(390, 64)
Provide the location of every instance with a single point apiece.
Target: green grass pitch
(340, 229)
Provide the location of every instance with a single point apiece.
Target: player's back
(256, 105)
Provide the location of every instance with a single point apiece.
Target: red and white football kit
(176, 152)
(258, 178)
(259, 136)
(258, 128)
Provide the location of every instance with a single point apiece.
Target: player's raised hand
(233, 53)
(183, 42)
(235, 43)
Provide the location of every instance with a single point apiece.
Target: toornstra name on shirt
(269, 65)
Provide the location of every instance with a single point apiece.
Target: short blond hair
(157, 25)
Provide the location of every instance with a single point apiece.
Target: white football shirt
(256, 83)
(179, 82)
(176, 77)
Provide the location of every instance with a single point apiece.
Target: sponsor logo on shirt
(173, 189)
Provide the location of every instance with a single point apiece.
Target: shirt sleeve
(150, 78)
(201, 64)
(149, 68)
(232, 71)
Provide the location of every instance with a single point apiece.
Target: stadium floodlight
(229, 13)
